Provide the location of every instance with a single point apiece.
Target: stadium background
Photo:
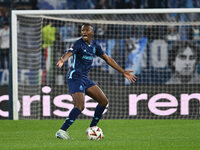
(122, 129)
(151, 73)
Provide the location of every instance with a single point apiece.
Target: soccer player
(79, 84)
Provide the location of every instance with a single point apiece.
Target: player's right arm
(64, 58)
(73, 50)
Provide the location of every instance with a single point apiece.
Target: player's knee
(80, 106)
(104, 103)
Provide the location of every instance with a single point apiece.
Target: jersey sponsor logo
(87, 57)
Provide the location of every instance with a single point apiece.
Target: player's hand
(60, 63)
(129, 76)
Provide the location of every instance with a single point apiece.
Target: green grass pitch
(119, 135)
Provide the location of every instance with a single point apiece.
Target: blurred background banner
(149, 60)
(141, 102)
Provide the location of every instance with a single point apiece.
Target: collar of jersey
(90, 45)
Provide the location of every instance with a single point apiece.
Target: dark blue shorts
(79, 85)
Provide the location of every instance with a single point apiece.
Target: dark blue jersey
(83, 55)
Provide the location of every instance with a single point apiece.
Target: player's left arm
(110, 61)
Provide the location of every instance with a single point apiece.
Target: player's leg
(77, 90)
(79, 101)
(97, 94)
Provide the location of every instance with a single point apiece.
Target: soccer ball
(94, 133)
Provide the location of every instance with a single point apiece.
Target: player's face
(185, 62)
(87, 33)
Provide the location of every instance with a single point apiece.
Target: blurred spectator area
(99, 4)
(116, 4)
(96, 4)
(7, 5)
(18, 4)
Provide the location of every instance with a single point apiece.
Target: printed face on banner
(185, 62)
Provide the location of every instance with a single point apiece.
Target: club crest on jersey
(81, 87)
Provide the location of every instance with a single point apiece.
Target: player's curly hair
(178, 47)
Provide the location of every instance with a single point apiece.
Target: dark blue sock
(71, 118)
(97, 115)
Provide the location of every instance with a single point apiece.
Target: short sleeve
(99, 51)
(75, 48)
